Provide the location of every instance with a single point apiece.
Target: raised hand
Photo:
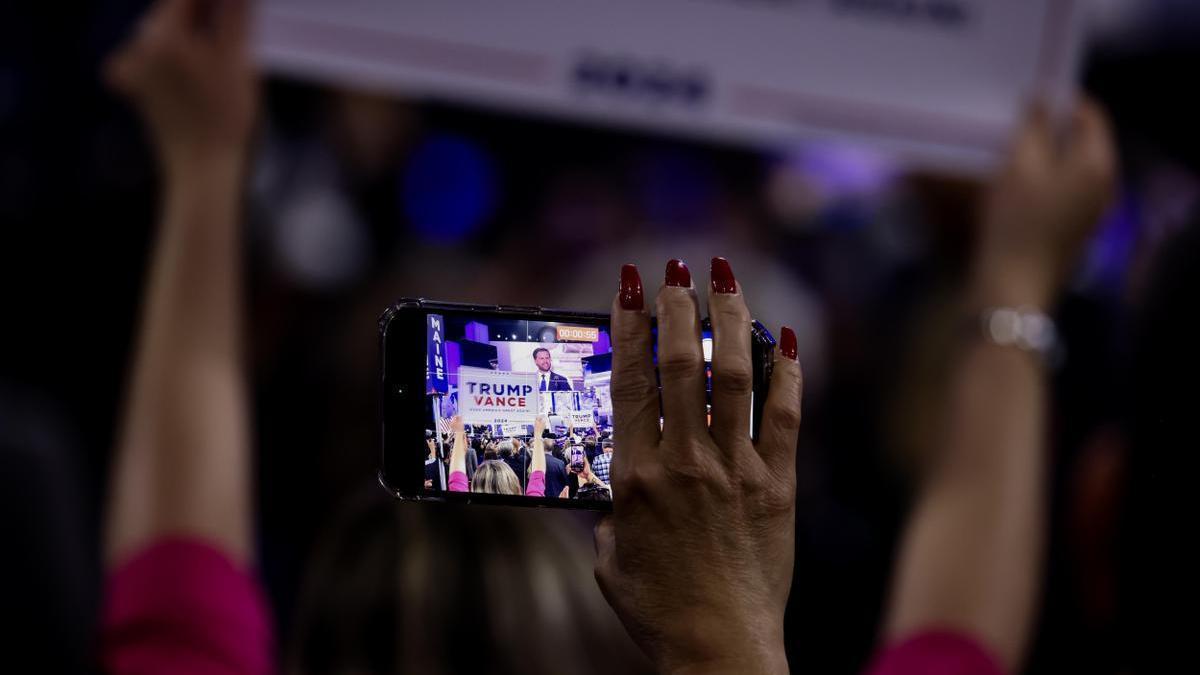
(1042, 206)
(696, 558)
(188, 70)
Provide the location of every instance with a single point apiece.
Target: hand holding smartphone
(507, 375)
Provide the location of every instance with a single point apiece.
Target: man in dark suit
(548, 380)
(556, 469)
(518, 459)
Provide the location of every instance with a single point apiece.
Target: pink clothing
(537, 484)
(458, 482)
(936, 653)
(181, 606)
(535, 488)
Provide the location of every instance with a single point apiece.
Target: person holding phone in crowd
(700, 541)
(697, 556)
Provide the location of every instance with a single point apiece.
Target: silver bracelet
(1025, 328)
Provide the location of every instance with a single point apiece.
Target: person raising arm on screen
(497, 476)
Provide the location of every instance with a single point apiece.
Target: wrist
(717, 649)
(774, 661)
(1011, 283)
(189, 162)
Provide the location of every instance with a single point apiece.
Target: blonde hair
(391, 585)
(495, 477)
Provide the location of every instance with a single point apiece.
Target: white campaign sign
(496, 396)
(937, 81)
(581, 419)
(510, 430)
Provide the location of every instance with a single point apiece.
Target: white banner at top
(934, 81)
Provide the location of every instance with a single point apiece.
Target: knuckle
(779, 496)
(673, 303)
(680, 364)
(756, 479)
(631, 387)
(735, 378)
(631, 333)
(700, 470)
(785, 418)
(729, 311)
(636, 484)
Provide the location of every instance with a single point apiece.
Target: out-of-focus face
(543, 361)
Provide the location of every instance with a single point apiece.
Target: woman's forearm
(458, 453)
(182, 463)
(971, 556)
(972, 553)
(537, 453)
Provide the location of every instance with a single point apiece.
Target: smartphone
(498, 368)
(576, 456)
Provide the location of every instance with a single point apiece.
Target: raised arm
(537, 447)
(182, 463)
(971, 558)
(458, 452)
(536, 485)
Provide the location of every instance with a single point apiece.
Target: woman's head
(445, 588)
(494, 477)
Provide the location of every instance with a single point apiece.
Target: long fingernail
(678, 274)
(787, 343)
(631, 288)
(722, 276)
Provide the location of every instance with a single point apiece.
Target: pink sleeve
(182, 606)
(458, 482)
(537, 484)
(936, 653)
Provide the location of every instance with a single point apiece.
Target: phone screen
(498, 374)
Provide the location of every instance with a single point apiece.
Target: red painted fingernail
(787, 342)
(631, 288)
(678, 274)
(722, 276)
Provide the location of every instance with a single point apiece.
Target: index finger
(633, 387)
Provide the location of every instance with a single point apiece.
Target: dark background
(359, 197)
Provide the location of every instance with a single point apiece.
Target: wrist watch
(1025, 328)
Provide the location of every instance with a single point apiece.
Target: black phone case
(402, 402)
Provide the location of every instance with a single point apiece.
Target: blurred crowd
(357, 197)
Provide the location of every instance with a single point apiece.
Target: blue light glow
(448, 189)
